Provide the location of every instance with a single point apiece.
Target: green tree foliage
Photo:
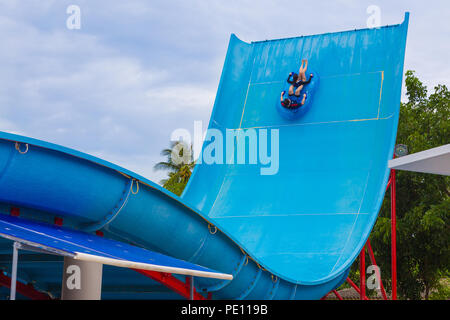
(423, 200)
(179, 165)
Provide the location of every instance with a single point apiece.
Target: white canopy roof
(435, 160)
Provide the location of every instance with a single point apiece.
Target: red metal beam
(373, 261)
(350, 282)
(325, 296)
(393, 237)
(337, 295)
(388, 184)
(355, 287)
(168, 280)
(362, 273)
(26, 290)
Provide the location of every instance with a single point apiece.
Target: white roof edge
(429, 154)
(33, 246)
(151, 267)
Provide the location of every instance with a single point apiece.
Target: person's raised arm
(289, 78)
(309, 80)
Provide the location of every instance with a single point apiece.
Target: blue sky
(137, 70)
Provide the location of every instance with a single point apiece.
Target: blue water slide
(287, 226)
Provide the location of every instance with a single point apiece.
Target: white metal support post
(12, 295)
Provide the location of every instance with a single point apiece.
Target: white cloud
(182, 99)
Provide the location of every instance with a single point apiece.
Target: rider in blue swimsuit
(298, 80)
(297, 83)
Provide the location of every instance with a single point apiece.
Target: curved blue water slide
(290, 234)
(307, 222)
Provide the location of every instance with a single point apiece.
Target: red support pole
(393, 237)
(337, 295)
(27, 290)
(354, 286)
(325, 296)
(373, 261)
(362, 273)
(389, 184)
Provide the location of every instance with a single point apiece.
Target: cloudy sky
(137, 70)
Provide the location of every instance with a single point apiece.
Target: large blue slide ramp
(308, 221)
(287, 226)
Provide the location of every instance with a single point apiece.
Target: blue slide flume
(288, 227)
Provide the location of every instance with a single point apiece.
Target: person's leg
(302, 71)
(301, 68)
(304, 98)
(291, 90)
(297, 91)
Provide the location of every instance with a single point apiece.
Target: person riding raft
(297, 82)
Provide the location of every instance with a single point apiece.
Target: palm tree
(179, 169)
